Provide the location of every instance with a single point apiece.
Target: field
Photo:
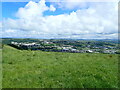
(38, 69)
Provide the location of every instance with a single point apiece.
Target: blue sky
(9, 9)
(74, 20)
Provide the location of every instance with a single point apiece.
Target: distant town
(72, 46)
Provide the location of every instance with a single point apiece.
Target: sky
(67, 20)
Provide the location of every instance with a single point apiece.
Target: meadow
(38, 69)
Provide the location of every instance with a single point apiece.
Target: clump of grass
(10, 62)
(110, 56)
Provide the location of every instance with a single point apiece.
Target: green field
(38, 69)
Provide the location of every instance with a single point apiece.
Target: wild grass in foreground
(38, 69)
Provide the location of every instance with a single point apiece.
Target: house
(109, 51)
(89, 51)
(15, 43)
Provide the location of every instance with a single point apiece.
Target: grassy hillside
(0, 68)
(37, 69)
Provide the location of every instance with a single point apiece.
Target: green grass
(38, 69)
(0, 68)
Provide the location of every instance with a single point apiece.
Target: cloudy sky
(71, 20)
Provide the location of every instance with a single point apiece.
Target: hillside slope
(37, 69)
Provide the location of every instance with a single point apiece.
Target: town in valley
(65, 45)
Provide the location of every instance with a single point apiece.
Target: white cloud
(68, 4)
(32, 9)
(97, 21)
(10, 31)
(52, 8)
